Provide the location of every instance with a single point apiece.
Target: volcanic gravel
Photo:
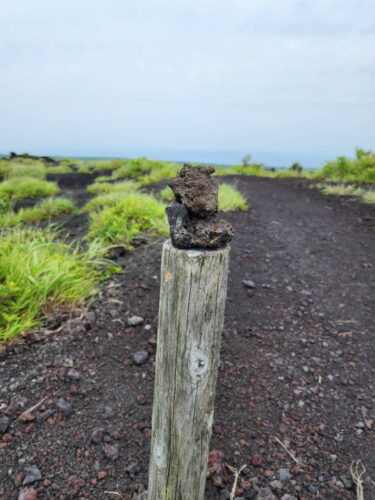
(295, 394)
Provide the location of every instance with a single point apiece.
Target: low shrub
(26, 187)
(359, 169)
(47, 209)
(121, 223)
(39, 274)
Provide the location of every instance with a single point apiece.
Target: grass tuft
(118, 187)
(121, 223)
(38, 274)
(47, 209)
(26, 187)
(231, 199)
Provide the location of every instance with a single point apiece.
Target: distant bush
(359, 169)
(47, 209)
(121, 223)
(296, 167)
(26, 187)
(366, 195)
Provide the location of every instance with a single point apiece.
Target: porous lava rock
(194, 188)
(193, 216)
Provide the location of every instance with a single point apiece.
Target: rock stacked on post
(193, 216)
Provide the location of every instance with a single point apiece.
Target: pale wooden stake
(191, 316)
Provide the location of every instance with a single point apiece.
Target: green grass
(26, 187)
(103, 200)
(369, 196)
(120, 223)
(116, 187)
(339, 189)
(112, 164)
(39, 274)
(45, 210)
(229, 197)
(37, 170)
(60, 169)
(366, 195)
(167, 194)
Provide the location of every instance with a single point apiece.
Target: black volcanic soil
(297, 364)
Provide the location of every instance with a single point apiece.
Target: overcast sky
(282, 79)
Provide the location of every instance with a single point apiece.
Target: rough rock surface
(194, 188)
(193, 217)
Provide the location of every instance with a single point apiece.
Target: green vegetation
(366, 195)
(38, 273)
(17, 188)
(60, 169)
(37, 170)
(229, 197)
(359, 169)
(45, 210)
(146, 171)
(118, 187)
(369, 196)
(120, 223)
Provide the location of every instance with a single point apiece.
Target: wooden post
(191, 317)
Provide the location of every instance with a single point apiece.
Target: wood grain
(191, 316)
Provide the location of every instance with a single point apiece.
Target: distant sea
(278, 159)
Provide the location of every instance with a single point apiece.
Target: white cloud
(286, 75)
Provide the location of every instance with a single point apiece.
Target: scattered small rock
(45, 415)
(64, 407)
(111, 451)
(4, 424)
(276, 485)
(32, 474)
(27, 494)
(288, 497)
(312, 489)
(97, 435)
(265, 494)
(140, 357)
(108, 412)
(248, 283)
(284, 474)
(74, 375)
(135, 321)
(256, 460)
(225, 495)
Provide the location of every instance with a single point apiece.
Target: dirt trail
(297, 363)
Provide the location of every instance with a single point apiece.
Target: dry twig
(357, 470)
(286, 449)
(30, 410)
(236, 473)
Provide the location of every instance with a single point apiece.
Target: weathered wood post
(191, 316)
